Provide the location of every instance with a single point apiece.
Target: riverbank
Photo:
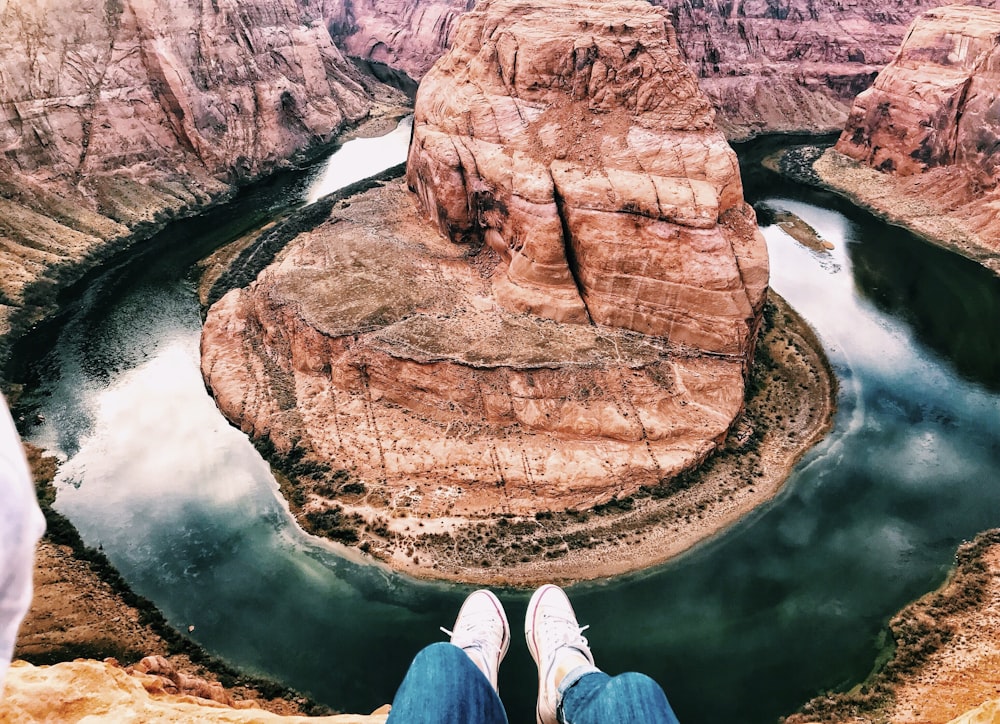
(946, 657)
(934, 205)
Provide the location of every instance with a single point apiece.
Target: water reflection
(745, 628)
(928, 291)
(360, 158)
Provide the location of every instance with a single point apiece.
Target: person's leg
(21, 525)
(571, 689)
(596, 698)
(456, 682)
(444, 686)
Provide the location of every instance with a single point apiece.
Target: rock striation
(575, 322)
(114, 115)
(793, 65)
(574, 142)
(936, 104)
(931, 125)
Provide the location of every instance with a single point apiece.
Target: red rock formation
(932, 118)
(567, 150)
(115, 113)
(379, 348)
(936, 104)
(88, 690)
(766, 66)
(573, 140)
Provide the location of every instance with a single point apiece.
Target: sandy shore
(935, 206)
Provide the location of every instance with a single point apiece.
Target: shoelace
(564, 631)
(476, 629)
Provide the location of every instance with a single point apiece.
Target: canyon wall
(774, 65)
(574, 321)
(116, 114)
(937, 103)
(930, 127)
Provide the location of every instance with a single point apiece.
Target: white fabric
(21, 525)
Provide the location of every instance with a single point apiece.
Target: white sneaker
(482, 631)
(554, 637)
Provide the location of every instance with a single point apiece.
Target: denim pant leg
(596, 698)
(443, 686)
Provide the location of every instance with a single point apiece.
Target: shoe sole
(529, 636)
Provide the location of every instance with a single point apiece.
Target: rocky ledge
(115, 116)
(88, 690)
(922, 146)
(943, 665)
(575, 323)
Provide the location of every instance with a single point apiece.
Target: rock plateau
(931, 125)
(575, 321)
(779, 65)
(115, 115)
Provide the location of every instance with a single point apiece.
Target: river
(744, 628)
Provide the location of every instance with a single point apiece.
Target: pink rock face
(574, 142)
(765, 66)
(113, 114)
(937, 104)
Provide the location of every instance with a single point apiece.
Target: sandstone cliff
(115, 115)
(582, 329)
(936, 104)
(102, 691)
(574, 142)
(766, 66)
(931, 125)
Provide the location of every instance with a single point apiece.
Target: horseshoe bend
(530, 359)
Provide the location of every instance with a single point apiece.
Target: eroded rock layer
(931, 121)
(375, 346)
(573, 141)
(937, 103)
(116, 114)
(766, 66)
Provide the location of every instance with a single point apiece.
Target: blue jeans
(443, 686)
